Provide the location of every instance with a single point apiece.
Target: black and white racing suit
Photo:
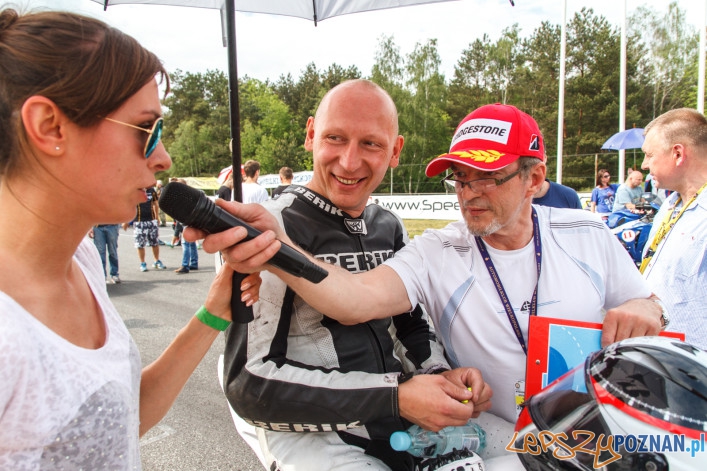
(293, 369)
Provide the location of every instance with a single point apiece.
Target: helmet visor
(571, 415)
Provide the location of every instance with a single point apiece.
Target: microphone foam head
(179, 201)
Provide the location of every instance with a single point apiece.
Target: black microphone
(193, 208)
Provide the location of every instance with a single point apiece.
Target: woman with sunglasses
(80, 127)
(603, 194)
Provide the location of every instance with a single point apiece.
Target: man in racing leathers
(293, 370)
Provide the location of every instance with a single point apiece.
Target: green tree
(268, 131)
(592, 85)
(538, 79)
(285, 89)
(336, 74)
(469, 88)
(197, 131)
(424, 121)
(503, 63)
(388, 71)
(302, 96)
(671, 57)
(388, 67)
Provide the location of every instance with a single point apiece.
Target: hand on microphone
(244, 256)
(194, 208)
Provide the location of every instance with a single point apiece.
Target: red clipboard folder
(555, 345)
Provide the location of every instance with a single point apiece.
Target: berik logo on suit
(356, 226)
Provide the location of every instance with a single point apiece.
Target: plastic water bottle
(426, 444)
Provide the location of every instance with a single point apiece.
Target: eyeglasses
(155, 133)
(482, 185)
(606, 176)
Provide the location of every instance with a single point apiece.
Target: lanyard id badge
(499, 286)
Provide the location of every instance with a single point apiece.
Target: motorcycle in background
(633, 227)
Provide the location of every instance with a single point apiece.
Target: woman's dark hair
(87, 68)
(600, 173)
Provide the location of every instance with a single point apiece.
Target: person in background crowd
(177, 229)
(675, 257)
(225, 192)
(146, 231)
(557, 195)
(602, 200)
(629, 194)
(105, 237)
(73, 393)
(286, 176)
(190, 253)
(252, 191)
(648, 186)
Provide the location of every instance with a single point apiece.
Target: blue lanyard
(499, 286)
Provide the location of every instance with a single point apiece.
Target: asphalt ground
(197, 433)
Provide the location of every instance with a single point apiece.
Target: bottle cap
(400, 441)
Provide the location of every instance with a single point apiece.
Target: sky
(269, 46)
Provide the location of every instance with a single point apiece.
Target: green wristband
(212, 321)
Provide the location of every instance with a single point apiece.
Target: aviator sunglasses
(155, 133)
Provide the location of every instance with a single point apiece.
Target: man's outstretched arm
(348, 298)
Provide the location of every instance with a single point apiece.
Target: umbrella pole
(240, 313)
(234, 109)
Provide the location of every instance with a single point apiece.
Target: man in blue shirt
(556, 195)
(630, 192)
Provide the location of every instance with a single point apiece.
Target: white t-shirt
(585, 271)
(63, 406)
(254, 193)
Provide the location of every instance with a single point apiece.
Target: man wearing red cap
(481, 278)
